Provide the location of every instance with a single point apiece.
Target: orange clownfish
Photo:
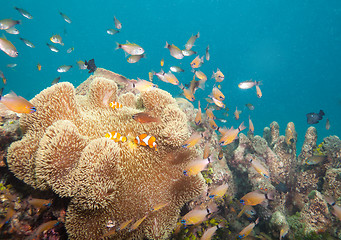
(115, 105)
(116, 136)
(16, 103)
(146, 140)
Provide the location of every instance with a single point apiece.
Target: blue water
(293, 47)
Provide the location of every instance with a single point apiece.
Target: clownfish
(115, 105)
(247, 230)
(146, 140)
(116, 136)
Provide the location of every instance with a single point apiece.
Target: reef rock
(64, 149)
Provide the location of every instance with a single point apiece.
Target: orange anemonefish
(115, 105)
(116, 136)
(146, 140)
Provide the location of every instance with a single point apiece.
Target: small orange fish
(39, 67)
(221, 154)
(230, 135)
(209, 233)
(145, 117)
(256, 197)
(258, 166)
(124, 224)
(40, 203)
(217, 102)
(146, 140)
(151, 76)
(16, 103)
(115, 105)
(207, 151)
(209, 114)
(162, 62)
(137, 223)
(197, 119)
(187, 93)
(218, 75)
(217, 94)
(251, 127)
(159, 206)
(196, 166)
(212, 124)
(143, 85)
(247, 230)
(199, 74)
(194, 139)
(116, 136)
(236, 114)
(259, 92)
(197, 62)
(43, 227)
(219, 191)
(197, 216)
(10, 213)
(3, 77)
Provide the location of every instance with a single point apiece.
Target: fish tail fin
(241, 127)
(118, 46)
(258, 83)
(167, 45)
(16, 8)
(18, 21)
(198, 35)
(257, 221)
(213, 75)
(270, 195)
(321, 113)
(198, 104)
(181, 86)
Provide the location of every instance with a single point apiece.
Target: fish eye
(242, 202)
(183, 221)
(185, 173)
(211, 196)
(33, 109)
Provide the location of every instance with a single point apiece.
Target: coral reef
(64, 149)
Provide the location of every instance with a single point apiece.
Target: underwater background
(293, 47)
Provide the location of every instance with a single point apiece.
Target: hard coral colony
(64, 149)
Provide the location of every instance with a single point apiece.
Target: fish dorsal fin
(3, 36)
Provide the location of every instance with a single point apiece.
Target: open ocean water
(293, 47)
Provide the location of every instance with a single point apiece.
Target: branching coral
(63, 148)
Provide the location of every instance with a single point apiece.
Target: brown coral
(63, 148)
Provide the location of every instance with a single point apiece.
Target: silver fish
(8, 47)
(66, 18)
(8, 23)
(28, 43)
(24, 12)
(52, 48)
(64, 68)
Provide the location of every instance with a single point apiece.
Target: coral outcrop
(64, 149)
